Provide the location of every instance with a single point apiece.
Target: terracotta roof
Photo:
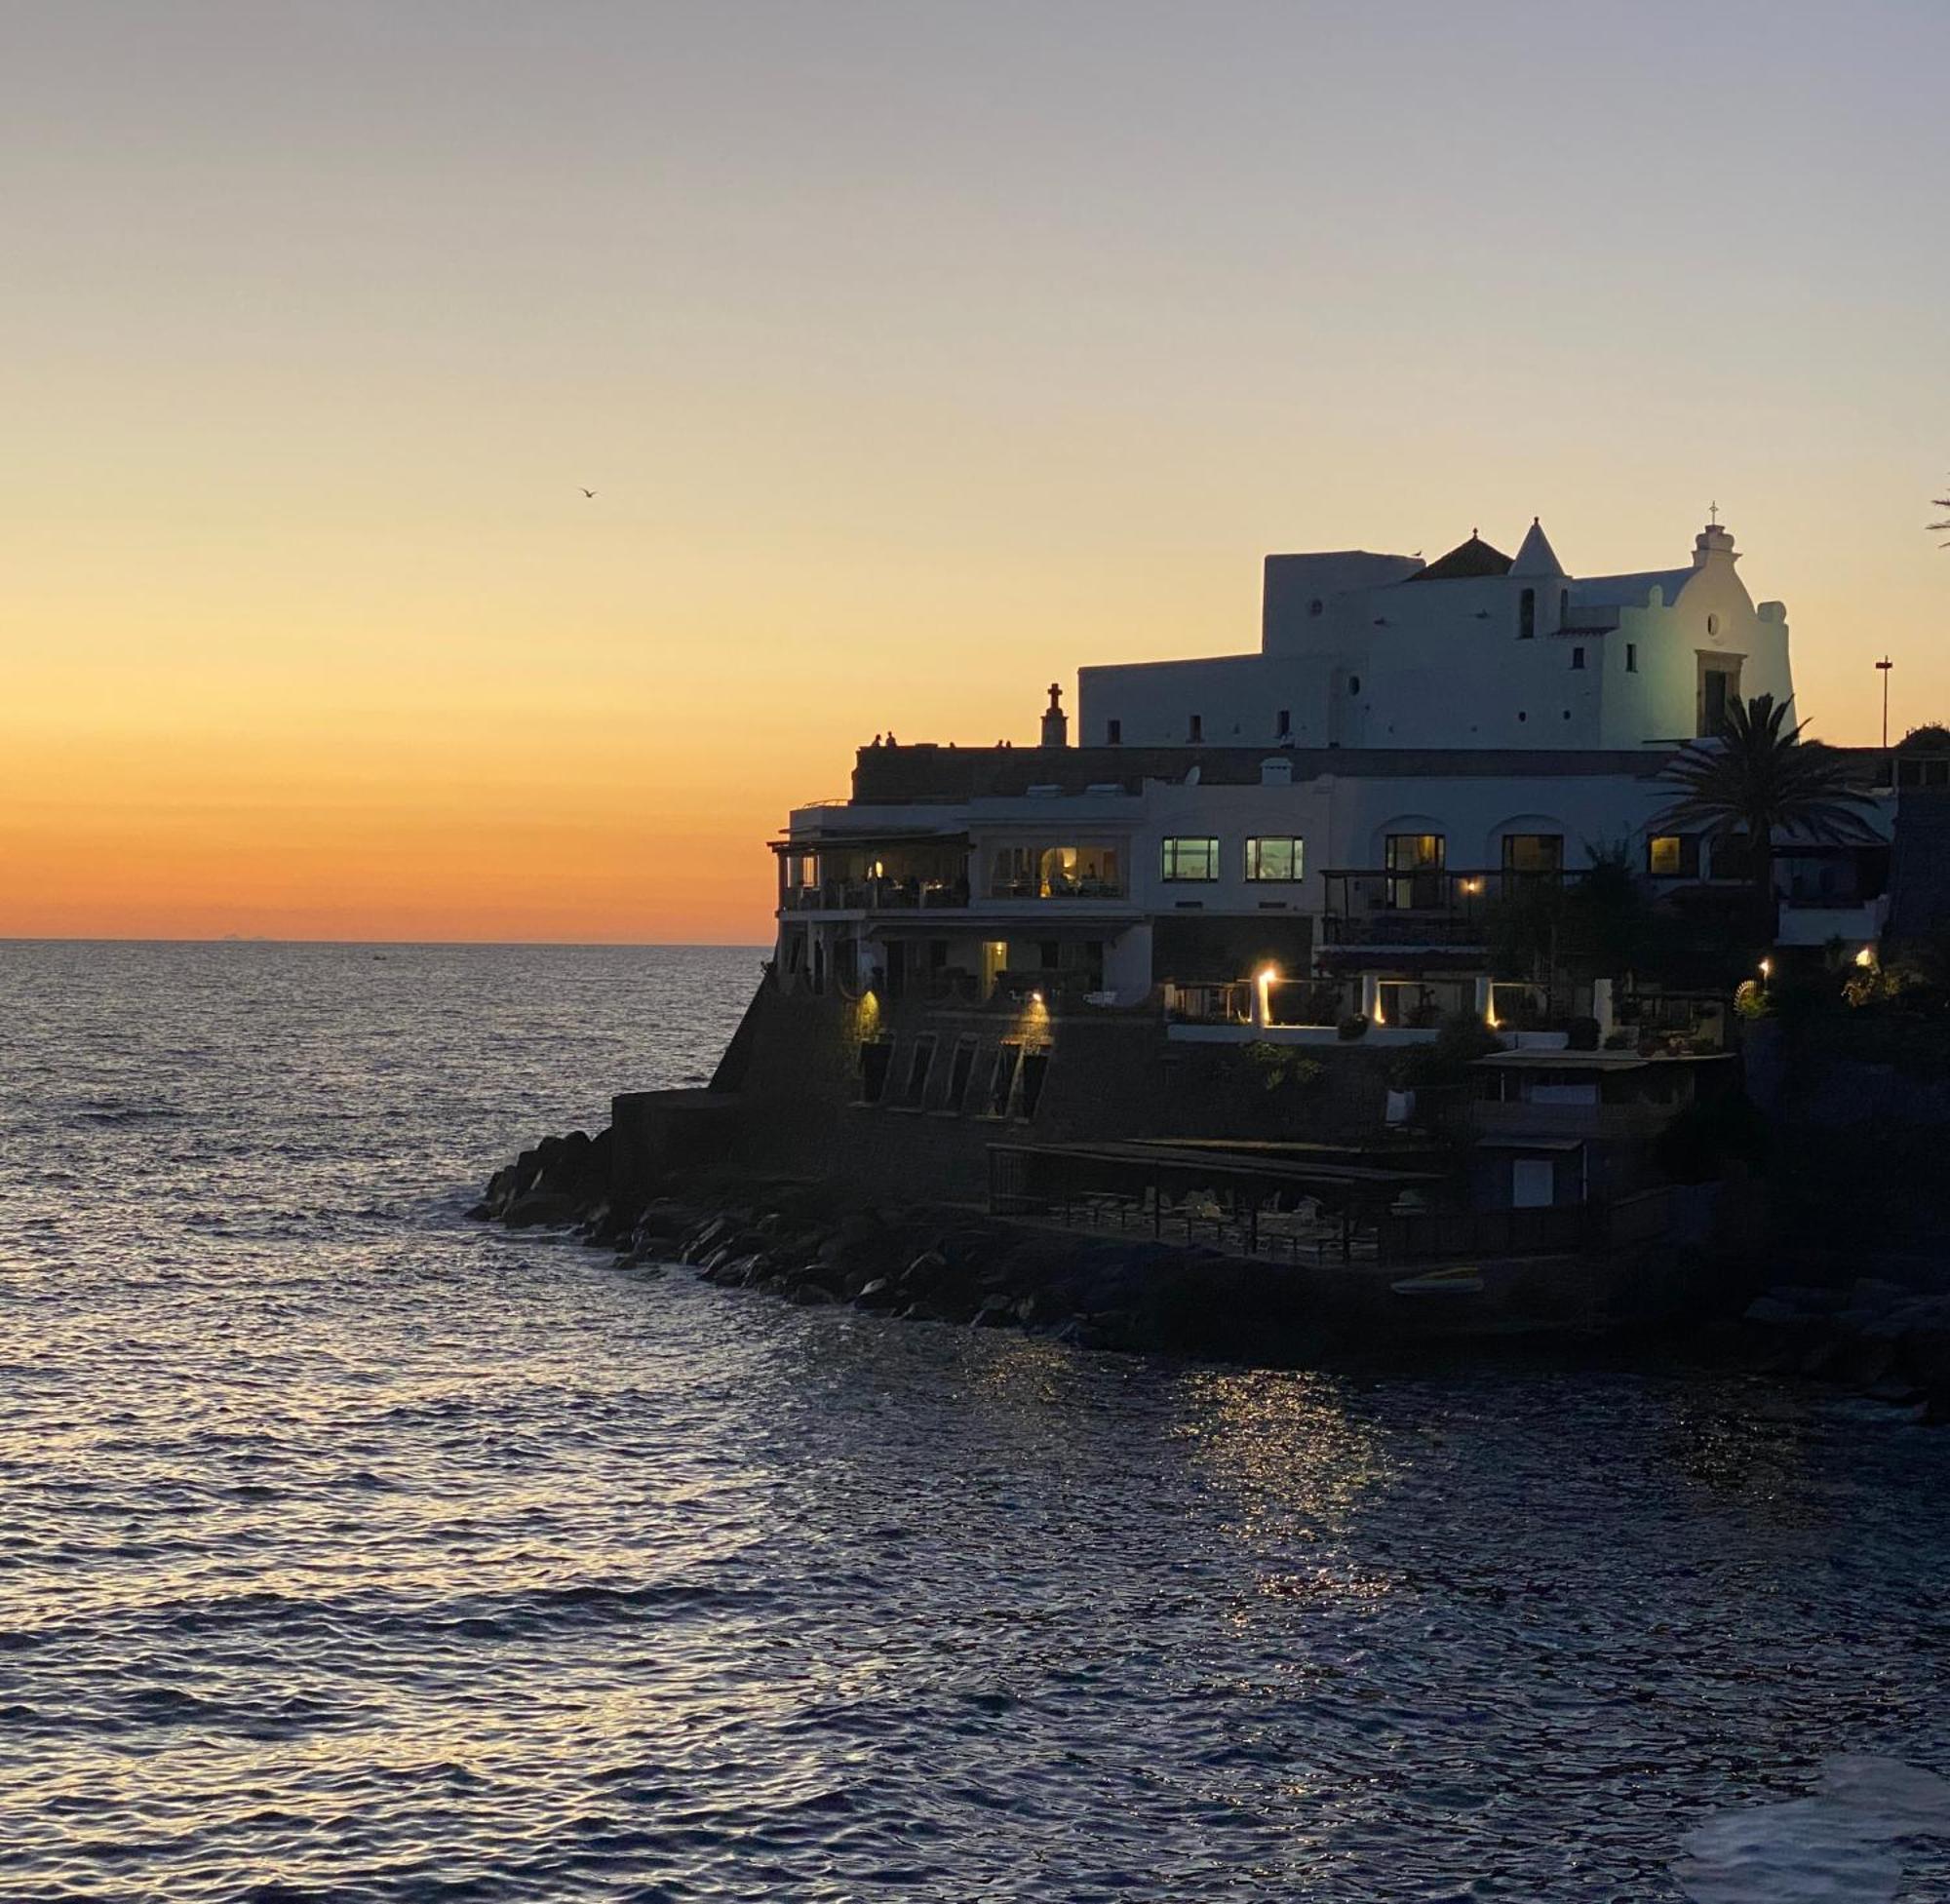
(1468, 560)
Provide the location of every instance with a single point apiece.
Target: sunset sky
(917, 353)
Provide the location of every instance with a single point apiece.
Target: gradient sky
(917, 353)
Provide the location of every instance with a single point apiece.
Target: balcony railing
(1057, 889)
(1430, 907)
(878, 896)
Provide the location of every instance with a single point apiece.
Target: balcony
(1427, 909)
(911, 895)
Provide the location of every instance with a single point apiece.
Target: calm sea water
(351, 1550)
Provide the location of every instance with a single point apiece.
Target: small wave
(1836, 1847)
(124, 1114)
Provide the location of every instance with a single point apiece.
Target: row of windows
(1196, 858)
(1195, 726)
(1269, 860)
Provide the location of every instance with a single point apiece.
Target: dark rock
(1925, 1357)
(997, 1311)
(876, 1294)
(1874, 1293)
(925, 1271)
(808, 1296)
(1865, 1361)
(1811, 1299)
(539, 1208)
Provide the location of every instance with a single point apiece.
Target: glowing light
(1472, 885)
(1767, 968)
(1035, 999)
(1866, 956)
(1265, 979)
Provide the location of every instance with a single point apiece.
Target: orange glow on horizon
(913, 359)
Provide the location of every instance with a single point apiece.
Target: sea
(354, 1550)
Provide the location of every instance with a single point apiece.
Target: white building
(1343, 808)
(1478, 650)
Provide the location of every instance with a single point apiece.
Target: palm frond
(1759, 777)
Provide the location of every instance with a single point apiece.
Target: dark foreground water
(351, 1551)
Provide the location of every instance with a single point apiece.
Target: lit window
(1191, 859)
(1673, 856)
(1274, 859)
(1415, 863)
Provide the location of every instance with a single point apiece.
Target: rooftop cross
(1713, 514)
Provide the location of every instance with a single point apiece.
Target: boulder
(540, 1208)
(1811, 1299)
(876, 1294)
(1925, 1357)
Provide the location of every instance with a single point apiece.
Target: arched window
(1526, 614)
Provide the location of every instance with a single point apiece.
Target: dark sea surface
(352, 1550)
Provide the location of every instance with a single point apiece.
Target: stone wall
(795, 1110)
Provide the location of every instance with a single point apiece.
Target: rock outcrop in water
(561, 1180)
(812, 1246)
(1872, 1334)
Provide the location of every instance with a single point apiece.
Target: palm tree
(1758, 778)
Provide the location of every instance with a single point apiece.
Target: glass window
(1274, 858)
(1082, 871)
(1198, 727)
(1415, 858)
(1673, 856)
(1631, 657)
(1416, 852)
(1526, 614)
(1283, 723)
(1114, 733)
(1191, 859)
(1533, 852)
(1578, 658)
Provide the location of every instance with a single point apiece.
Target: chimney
(1055, 723)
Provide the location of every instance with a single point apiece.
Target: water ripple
(355, 1553)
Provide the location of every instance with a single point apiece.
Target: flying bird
(589, 493)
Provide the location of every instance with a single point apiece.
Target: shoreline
(1879, 1337)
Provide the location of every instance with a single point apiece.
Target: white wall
(1442, 664)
